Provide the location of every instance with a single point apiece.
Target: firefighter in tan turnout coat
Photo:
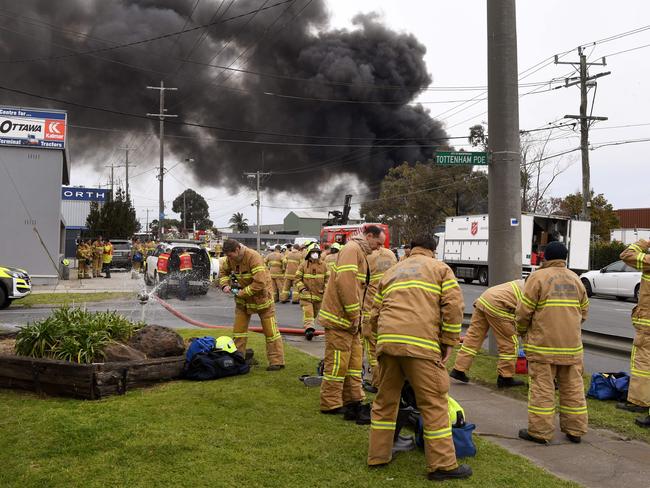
(254, 295)
(276, 267)
(637, 255)
(417, 318)
(311, 278)
(340, 315)
(494, 309)
(291, 262)
(549, 317)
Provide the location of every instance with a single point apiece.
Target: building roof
(631, 218)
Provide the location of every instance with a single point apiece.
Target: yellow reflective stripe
(640, 373)
(558, 302)
(223, 281)
(333, 318)
(467, 350)
(277, 263)
(240, 334)
(329, 377)
(496, 310)
(551, 351)
(337, 363)
(453, 328)
(640, 321)
(274, 337)
(293, 260)
(353, 372)
(645, 277)
(541, 410)
(257, 269)
(352, 307)
(314, 276)
(405, 339)
(585, 303)
(573, 410)
(379, 298)
(437, 434)
(361, 277)
(634, 247)
(247, 291)
(261, 306)
(346, 267)
(423, 285)
(508, 357)
(517, 290)
(376, 277)
(639, 261)
(446, 285)
(528, 302)
(382, 425)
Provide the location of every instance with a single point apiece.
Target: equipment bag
(609, 386)
(521, 366)
(214, 365)
(199, 345)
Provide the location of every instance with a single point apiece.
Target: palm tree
(238, 223)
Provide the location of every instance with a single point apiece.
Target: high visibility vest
(186, 261)
(108, 254)
(163, 263)
(454, 409)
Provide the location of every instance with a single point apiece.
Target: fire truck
(342, 233)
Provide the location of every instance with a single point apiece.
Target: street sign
(454, 158)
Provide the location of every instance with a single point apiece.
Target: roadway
(606, 315)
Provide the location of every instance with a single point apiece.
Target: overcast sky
(454, 33)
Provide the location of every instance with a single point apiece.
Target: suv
(121, 253)
(199, 281)
(14, 284)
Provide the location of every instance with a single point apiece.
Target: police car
(14, 284)
(202, 265)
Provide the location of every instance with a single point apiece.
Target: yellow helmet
(336, 246)
(225, 343)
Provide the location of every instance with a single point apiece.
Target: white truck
(464, 244)
(629, 236)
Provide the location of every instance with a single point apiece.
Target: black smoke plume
(291, 40)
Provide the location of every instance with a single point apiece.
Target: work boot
(249, 358)
(351, 410)
(463, 471)
(333, 411)
(523, 434)
(363, 415)
(508, 382)
(631, 407)
(643, 421)
(459, 375)
(275, 367)
(309, 333)
(576, 439)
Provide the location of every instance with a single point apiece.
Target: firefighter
(325, 250)
(416, 316)
(340, 315)
(311, 278)
(245, 276)
(275, 265)
(82, 256)
(184, 273)
(549, 317)
(330, 259)
(107, 257)
(137, 255)
(637, 256)
(379, 262)
(291, 262)
(98, 254)
(494, 309)
(162, 270)
(407, 252)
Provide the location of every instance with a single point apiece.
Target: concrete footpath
(603, 459)
(120, 281)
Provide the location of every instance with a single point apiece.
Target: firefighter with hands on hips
(379, 262)
(494, 309)
(637, 256)
(274, 262)
(244, 275)
(416, 317)
(549, 317)
(291, 262)
(340, 315)
(311, 278)
(98, 253)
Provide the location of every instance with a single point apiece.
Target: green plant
(604, 253)
(73, 334)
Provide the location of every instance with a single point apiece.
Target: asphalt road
(606, 315)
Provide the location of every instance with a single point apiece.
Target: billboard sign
(85, 194)
(32, 128)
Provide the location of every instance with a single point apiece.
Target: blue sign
(32, 128)
(85, 194)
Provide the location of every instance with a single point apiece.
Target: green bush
(73, 334)
(604, 253)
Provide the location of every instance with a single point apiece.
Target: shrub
(72, 334)
(604, 253)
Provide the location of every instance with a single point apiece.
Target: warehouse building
(33, 166)
(75, 210)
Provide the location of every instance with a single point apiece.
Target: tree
(193, 209)
(238, 223)
(603, 217)
(413, 199)
(167, 224)
(115, 219)
(478, 137)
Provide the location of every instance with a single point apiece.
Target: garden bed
(88, 381)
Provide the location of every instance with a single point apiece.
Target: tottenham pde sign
(32, 128)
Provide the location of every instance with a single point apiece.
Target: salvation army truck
(464, 244)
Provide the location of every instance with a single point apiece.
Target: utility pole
(504, 179)
(112, 166)
(257, 175)
(126, 166)
(585, 81)
(147, 227)
(184, 213)
(161, 115)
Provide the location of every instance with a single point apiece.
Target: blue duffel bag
(609, 386)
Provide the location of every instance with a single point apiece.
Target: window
(617, 267)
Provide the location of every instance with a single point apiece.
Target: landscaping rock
(121, 352)
(157, 342)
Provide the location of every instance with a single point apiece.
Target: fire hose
(198, 323)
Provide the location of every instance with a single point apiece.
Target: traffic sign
(454, 158)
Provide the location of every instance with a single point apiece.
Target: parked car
(121, 253)
(617, 279)
(199, 281)
(14, 284)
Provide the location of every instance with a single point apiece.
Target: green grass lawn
(603, 414)
(69, 298)
(258, 430)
